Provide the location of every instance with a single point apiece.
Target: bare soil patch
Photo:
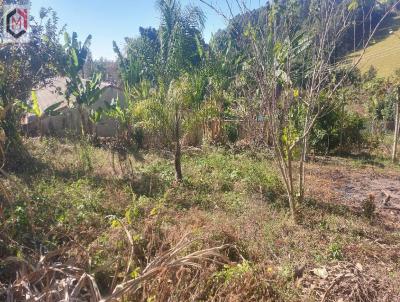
(335, 180)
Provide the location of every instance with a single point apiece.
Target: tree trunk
(286, 170)
(342, 123)
(40, 127)
(370, 22)
(354, 36)
(303, 159)
(83, 121)
(291, 194)
(396, 126)
(178, 165)
(178, 155)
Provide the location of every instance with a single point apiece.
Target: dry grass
(345, 282)
(49, 280)
(106, 235)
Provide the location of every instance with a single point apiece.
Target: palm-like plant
(179, 34)
(123, 110)
(176, 111)
(172, 101)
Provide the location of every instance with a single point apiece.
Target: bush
(369, 207)
(334, 128)
(231, 131)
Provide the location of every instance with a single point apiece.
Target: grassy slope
(226, 198)
(384, 52)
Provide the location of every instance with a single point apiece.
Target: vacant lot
(85, 205)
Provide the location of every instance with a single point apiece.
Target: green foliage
(232, 178)
(20, 216)
(335, 251)
(84, 150)
(172, 51)
(259, 178)
(131, 110)
(83, 93)
(178, 33)
(138, 209)
(233, 272)
(96, 115)
(231, 130)
(55, 203)
(182, 106)
(129, 68)
(24, 66)
(337, 124)
(76, 54)
(35, 109)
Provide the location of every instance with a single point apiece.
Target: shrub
(231, 131)
(369, 207)
(335, 126)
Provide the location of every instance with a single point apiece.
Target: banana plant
(40, 114)
(82, 93)
(123, 111)
(95, 116)
(85, 93)
(76, 53)
(123, 114)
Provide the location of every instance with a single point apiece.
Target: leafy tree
(24, 67)
(180, 36)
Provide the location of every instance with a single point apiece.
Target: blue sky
(113, 20)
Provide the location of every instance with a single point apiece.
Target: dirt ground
(335, 180)
(346, 184)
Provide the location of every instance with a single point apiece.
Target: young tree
(292, 59)
(171, 52)
(175, 112)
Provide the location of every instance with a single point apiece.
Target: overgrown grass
(226, 198)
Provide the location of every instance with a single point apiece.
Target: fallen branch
(60, 282)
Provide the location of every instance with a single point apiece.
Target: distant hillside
(384, 52)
